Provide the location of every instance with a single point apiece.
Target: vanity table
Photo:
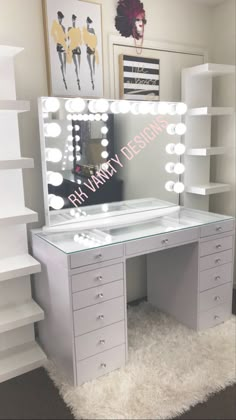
(82, 286)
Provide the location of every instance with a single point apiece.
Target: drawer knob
(218, 246)
(218, 260)
(216, 317)
(100, 295)
(101, 317)
(99, 278)
(217, 278)
(98, 256)
(217, 298)
(219, 229)
(102, 342)
(165, 241)
(103, 365)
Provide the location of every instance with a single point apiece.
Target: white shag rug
(170, 369)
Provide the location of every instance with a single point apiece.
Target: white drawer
(217, 245)
(216, 228)
(215, 316)
(162, 241)
(97, 277)
(93, 256)
(99, 316)
(213, 297)
(97, 294)
(216, 260)
(88, 345)
(101, 364)
(216, 277)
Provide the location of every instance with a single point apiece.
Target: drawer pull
(102, 342)
(217, 278)
(217, 298)
(218, 260)
(103, 365)
(101, 317)
(100, 295)
(216, 318)
(165, 241)
(218, 246)
(219, 229)
(99, 278)
(98, 256)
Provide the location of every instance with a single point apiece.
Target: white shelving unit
(19, 352)
(197, 87)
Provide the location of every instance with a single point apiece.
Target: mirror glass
(103, 158)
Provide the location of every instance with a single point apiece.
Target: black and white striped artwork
(139, 78)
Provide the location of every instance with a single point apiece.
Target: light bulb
(97, 117)
(105, 117)
(51, 105)
(75, 105)
(56, 202)
(135, 108)
(114, 108)
(179, 168)
(91, 106)
(154, 109)
(72, 212)
(104, 155)
(78, 158)
(124, 107)
(69, 117)
(105, 208)
(71, 158)
(77, 127)
(180, 149)
(71, 148)
(104, 142)
(91, 117)
(172, 109)
(102, 105)
(104, 130)
(53, 155)
(105, 166)
(170, 149)
(52, 130)
(163, 108)
(77, 148)
(170, 167)
(171, 129)
(70, 138)
(86, 117)
(144, 108)
(179, 188)
(54, 178)
(170, 186)
(180, 129)
(181, 108)
(77, 138)
(70, 127)
(76, 238)
(75, 117)
(80, 117)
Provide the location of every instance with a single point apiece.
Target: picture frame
(139, 78)
(74, 48)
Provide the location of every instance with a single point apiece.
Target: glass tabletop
(176, 218)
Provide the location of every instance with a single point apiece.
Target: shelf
(208, 189)
(12, 317)
(18, 266)
(210, 111)
(206, 151)
(9, 51)
(20, 360)
(211, 69)
(22, 163)
(14, 106)
(21, 217)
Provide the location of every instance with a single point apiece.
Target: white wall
(223, 50)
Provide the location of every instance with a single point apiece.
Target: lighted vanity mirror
(103, 158)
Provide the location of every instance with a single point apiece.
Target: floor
(34, 396)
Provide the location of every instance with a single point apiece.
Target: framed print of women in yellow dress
(74, 47)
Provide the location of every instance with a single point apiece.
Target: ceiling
(210, 2)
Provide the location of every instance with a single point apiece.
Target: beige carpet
(170, 369)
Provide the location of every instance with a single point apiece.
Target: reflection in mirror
(103, 158)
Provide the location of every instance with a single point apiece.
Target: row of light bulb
(175, 149)
(85, 239)
(177, 187)
(175, 168)
(78, 105)
(88, 117)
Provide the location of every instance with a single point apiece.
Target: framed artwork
(139, 78)
(74, 47)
